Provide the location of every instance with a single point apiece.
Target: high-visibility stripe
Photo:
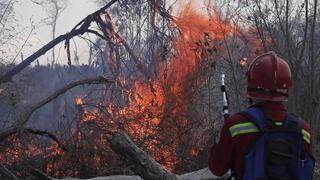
(243, 128)
(278, 123)
(306, 135)
(249, 127)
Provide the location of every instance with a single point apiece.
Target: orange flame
(243, 62)
(79, 101)
(157, 114)
(154, 105)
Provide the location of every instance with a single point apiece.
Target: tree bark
(143, 165)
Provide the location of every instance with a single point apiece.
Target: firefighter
(269, 83)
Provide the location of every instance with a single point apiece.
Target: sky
(27, 12)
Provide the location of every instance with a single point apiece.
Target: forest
(146, 101)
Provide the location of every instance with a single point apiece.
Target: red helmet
(269, 78)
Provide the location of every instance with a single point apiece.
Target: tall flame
(160, 108)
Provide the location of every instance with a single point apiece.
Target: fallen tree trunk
(143, 165)
(202, 174)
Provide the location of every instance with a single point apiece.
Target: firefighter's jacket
(235, 142)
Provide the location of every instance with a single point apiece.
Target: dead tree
(54, 9)
(79, 29)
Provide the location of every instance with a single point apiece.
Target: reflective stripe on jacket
(238, 134)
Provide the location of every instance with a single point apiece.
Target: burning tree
(155, 96)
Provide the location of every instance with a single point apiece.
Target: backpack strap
(293, 123)
(255, 122)
(296, 124)
(255, 115)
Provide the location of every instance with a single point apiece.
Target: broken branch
(84, 25)
(32, 131)
(24, 116)
(7, 173)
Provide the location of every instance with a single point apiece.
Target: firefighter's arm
(221, 153)
(307, 137)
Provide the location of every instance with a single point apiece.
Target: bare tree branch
(41, 174)
(142, 68)
(33, 131)
(24, 116)
(84, 25)
(7, 173)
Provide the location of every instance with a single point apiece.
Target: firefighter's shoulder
(305, 131)
(238, 124)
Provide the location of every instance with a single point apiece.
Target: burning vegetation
(158, 111)
(159, 75)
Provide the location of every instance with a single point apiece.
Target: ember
(243, 62)
(79, 101)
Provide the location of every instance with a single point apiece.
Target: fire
(89, 116)
(159, 108)
(243, 62)
(158, 113)
(79, 101)
(10, 154)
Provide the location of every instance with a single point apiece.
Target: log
(202, 174)
(143, 165)
(41, 175)
(7, 173)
